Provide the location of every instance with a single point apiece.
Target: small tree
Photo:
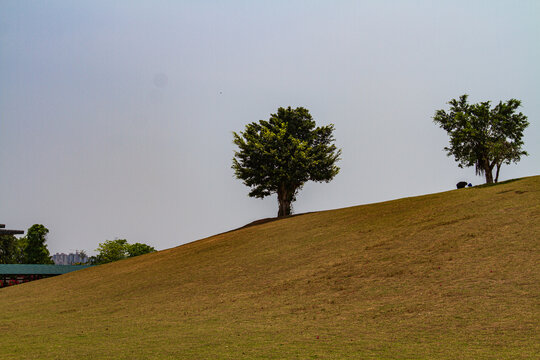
(82, 256)
(483, 137)
(114, 250)
(10, 252)
(283, 153)
(111, 250)
(35, 251)
(139, 249)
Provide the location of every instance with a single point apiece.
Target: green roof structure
(38, 269)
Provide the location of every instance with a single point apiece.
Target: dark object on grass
(461, 184)
(470, 185)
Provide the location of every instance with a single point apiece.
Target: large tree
(35, 251)
(482, 136)
(283, 153)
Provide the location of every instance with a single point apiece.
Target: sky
(116, 118)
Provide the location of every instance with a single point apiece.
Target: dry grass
(449, 275)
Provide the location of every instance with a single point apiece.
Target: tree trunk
(488, 170)
(285, 197)
(497, 173)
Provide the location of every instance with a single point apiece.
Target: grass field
(454, 275)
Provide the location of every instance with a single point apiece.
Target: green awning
(38, 269)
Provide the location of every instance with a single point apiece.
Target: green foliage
(35, 250)
(11, 249)
(139, 249)
(114, 250)
(7, 249)
(482, 136)
(111, 250)
(283, 153)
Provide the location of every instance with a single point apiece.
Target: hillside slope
(448, 275)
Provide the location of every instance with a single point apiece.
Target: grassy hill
(449, 275)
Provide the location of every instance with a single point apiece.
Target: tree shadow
(264, 221)
(495, 184)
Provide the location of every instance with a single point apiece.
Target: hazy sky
(116, 118)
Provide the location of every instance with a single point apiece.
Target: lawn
(442, 276)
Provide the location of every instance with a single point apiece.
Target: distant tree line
(32, 249)
(118, 249)
(29, 249)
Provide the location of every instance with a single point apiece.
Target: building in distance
(70, 259)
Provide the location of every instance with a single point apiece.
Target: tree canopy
(138, 249)
(118, 249)
(482, 136)
(11, 250)
(280, 155)
(35, 250)
(111, 250)
(29, 249)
